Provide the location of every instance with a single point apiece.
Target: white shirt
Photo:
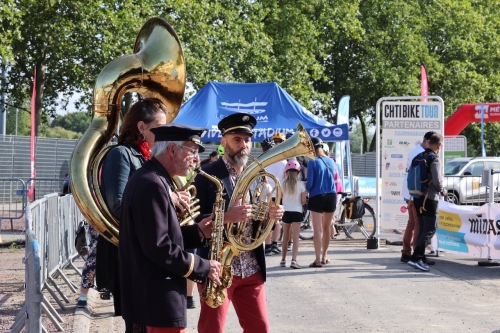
(277, 169)
(404, 190)
(292, 202)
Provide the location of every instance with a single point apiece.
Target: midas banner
(469, 230)
(404, 124)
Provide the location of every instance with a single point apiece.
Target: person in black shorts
(322, 201)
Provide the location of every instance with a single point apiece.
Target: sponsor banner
(403, 127)
(455, 146)
(329, 134)
(469, 230)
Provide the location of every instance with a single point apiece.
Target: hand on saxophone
(215, 269)
(205, 227)
(238, 212)
(276, 211)
(182, 200)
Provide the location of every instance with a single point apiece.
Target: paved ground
(360, 291)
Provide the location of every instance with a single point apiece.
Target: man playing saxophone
(153, 263)
(247, 288)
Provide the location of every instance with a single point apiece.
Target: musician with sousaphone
(247, 288)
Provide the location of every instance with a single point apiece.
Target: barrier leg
(72, 265)
(70, 284)
(54, 296)
(51, 317)
(52, 310)
(56, 287)
(19, 321)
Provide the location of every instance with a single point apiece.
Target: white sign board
(403, 127)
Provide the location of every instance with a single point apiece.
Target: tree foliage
(317, 50)
(75, 121)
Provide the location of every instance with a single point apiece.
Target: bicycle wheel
(306, 228)
(364, 227)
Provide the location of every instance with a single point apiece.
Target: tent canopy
(274, 109)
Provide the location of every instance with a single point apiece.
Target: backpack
(419, 176)
(354, 208)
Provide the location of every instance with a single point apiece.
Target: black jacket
(206, 192)
(153, 264)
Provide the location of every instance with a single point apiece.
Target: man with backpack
(426, 167)
(412, 229)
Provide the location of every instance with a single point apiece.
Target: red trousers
(249, 301)
(412, 230)
(152, 329)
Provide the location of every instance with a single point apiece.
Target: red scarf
(144, 149)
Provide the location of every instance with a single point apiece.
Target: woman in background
(322, 201)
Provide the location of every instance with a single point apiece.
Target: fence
(51, 224)
(14, 195)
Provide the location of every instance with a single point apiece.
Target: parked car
(462, 179)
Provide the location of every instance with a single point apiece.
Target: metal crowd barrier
(51, 224)
(12, 199)
(15, 195)
(468, 190)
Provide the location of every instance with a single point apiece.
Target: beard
(240, 160)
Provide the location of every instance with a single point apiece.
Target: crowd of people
(148, 273)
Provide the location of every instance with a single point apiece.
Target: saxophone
(220, 250)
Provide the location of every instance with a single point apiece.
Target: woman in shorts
(294, 196)
(322, 201)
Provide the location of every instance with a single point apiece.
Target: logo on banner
(398, 193)
(404, 143)
(255, 108)
(397, 155)
(387, 165)
(392, 184)
(337, 132)
(478, 108)
(314, 133)
(400, 166)
(403, 209)
(325, 132)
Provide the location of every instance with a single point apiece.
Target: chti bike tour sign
(404, 124)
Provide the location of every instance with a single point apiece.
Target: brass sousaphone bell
(156, 69)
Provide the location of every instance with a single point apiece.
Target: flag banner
(469, 230)
(31, 191)
(424, 90)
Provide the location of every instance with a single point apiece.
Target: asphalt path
(372, 291)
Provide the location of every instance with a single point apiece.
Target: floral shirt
(245, 264)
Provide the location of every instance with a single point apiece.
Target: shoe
(289, 246)
(283, 263)
(405, 258)
(325, 262)
(412, 263)
(268, 251)
(275, 248)
(82, 303)
(422, 266)
(315, 264)
(190, 302)
(295, 265)
(429, 262)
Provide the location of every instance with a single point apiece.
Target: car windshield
(453, 167)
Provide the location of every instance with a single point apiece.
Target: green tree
(58, 132)
(23, 122)
(76, 122)
(68, 42)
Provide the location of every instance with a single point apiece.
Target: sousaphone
(156, 69)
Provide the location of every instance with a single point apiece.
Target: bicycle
(364, 227)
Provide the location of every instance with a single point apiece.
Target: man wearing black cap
(247, 288)
(412, 228)
(153, 263)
